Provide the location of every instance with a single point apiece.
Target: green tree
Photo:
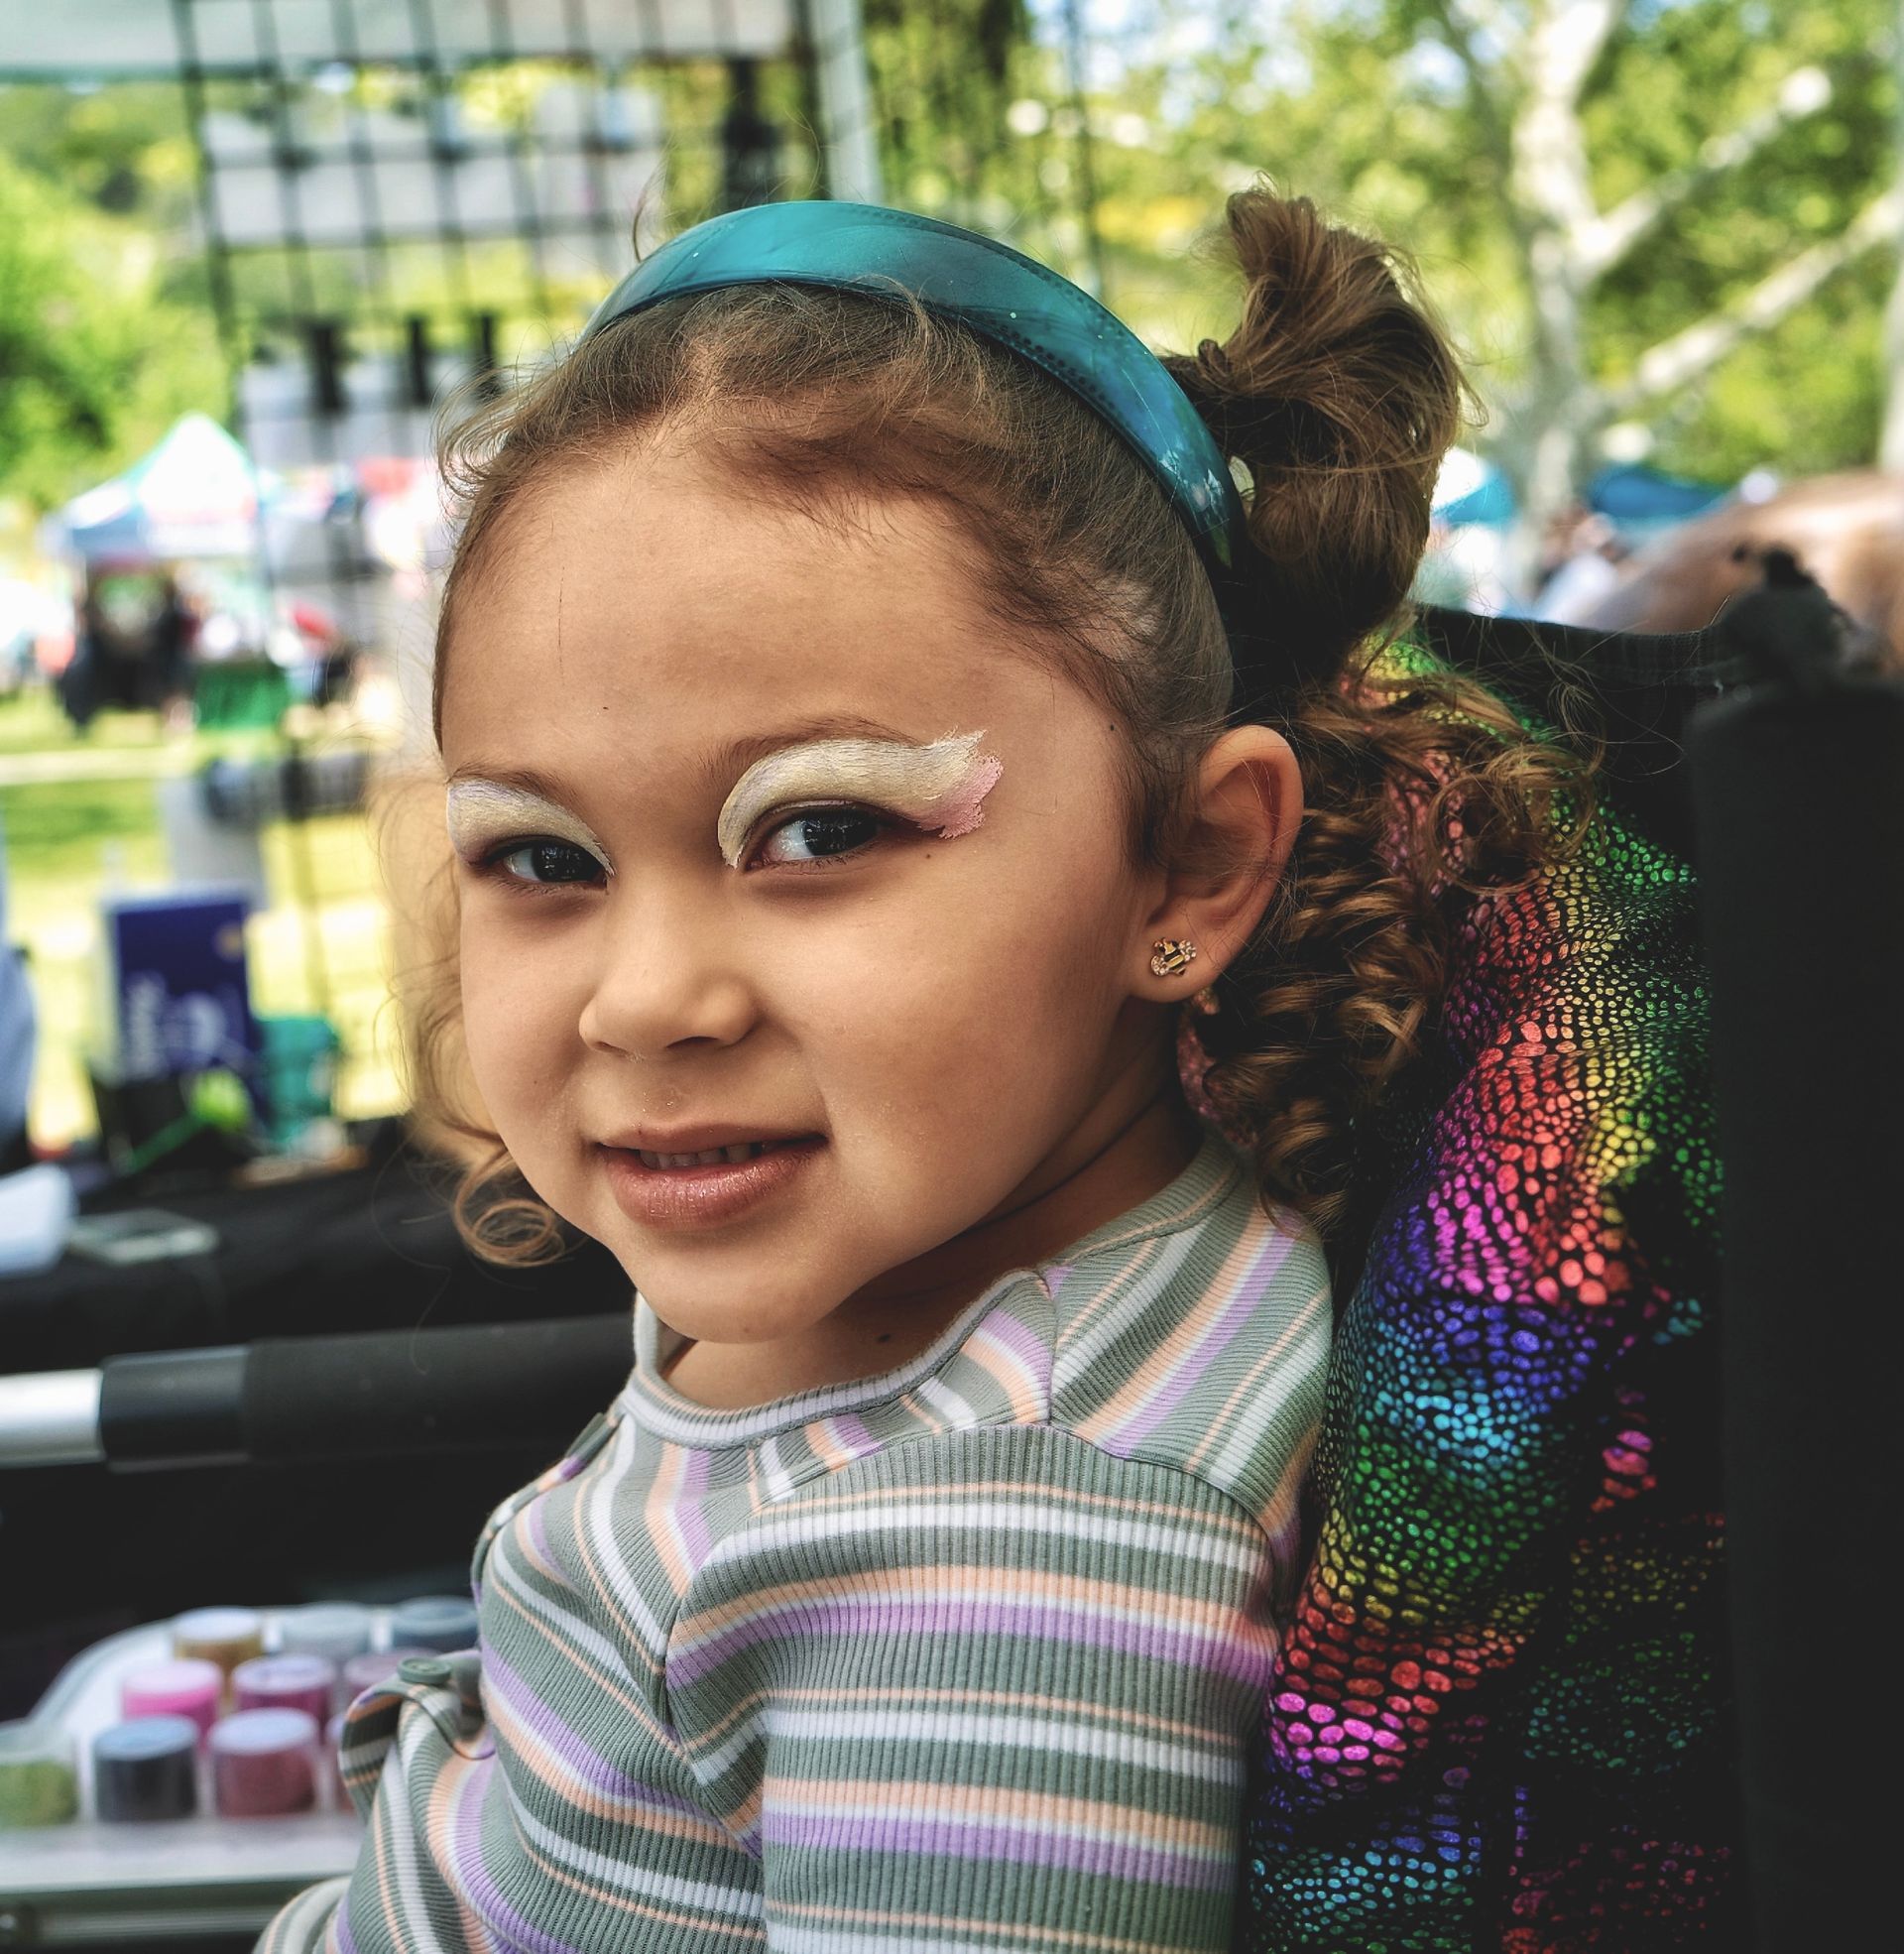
(95, 361)
(1674, 214)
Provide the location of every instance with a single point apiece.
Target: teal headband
(995, 291)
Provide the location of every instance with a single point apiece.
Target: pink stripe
(1244, 1303)
(691, 1510)
(861, 1832)
(909, 1619)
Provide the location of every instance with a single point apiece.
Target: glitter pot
(263, 1762)
(434, 1621)
(146, 1768)
(225, 1636)
(334, 1630)
(39, 1785)
(187, 1687)
(285, 1683)
(364, 1673)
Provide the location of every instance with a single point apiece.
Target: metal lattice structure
(398, 199)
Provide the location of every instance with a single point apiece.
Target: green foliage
(1360, 104)
(95, 362)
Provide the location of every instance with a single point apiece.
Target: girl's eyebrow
(524, 779)
(721, 767)
(940, 784)
(732, 759)
(478, 807)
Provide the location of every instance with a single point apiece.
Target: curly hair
(1335, 399)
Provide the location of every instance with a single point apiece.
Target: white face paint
(484, 813)
(938, 787)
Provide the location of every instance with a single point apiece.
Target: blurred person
(1587, 570)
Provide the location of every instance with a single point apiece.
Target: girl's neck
(1095, 1178)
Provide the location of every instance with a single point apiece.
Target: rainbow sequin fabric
(1500, 1717)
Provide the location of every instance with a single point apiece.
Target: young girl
(927, 899)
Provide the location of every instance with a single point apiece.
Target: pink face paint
(961, 813)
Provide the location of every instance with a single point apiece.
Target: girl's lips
(702, 1196)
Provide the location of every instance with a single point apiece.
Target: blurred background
(247, 248)
(253, 251)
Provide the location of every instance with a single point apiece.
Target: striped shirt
(963, 1657)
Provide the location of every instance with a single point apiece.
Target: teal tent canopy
(194, 495)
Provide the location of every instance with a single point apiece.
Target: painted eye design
(818, 834)
(543, 862)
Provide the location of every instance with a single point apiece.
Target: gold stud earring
(1169, 956)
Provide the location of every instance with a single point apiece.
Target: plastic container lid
(264, 1762)
(436, 1622)
(287, 1682)
(184, 1688)
(225, 1636)
(146, 1768)
(335, 1630)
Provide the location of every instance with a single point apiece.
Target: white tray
(87, 1883)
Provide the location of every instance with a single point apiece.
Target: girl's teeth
(733, 1155)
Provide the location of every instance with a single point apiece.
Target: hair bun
(1339, 394)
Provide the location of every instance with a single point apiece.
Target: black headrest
(1644, 686)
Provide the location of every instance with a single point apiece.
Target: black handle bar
(309, 1398)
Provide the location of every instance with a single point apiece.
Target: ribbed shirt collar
(1210, 1177)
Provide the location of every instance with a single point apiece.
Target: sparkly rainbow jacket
(1501, 1717)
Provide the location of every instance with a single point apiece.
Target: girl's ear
(1246, 808)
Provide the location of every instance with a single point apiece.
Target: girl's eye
(543, 863)
(819, 834)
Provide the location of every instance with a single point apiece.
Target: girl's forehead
(664, 543)
(661, 606)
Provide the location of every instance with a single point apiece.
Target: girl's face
(928, 983)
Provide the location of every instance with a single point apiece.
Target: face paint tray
(84, 1882)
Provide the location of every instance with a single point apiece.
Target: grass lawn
(32, 722)
(68, 839)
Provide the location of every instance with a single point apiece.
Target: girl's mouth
(746, 1150)
(704, 1189)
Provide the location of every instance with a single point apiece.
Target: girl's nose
(665, 976)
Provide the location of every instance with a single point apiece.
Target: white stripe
(305, 1916)
(1047, 1735)
(740, 1903)
(574, 1629)
(778, 1483)
(1296, 1376)
(404, 1862)
(1237, 1629)
(1076, 1354)
(1182, 1541)
(947, 1401)
(596, 1515)
(1129, 1832)
(854, 1940)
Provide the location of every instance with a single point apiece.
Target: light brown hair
(1338, 396)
